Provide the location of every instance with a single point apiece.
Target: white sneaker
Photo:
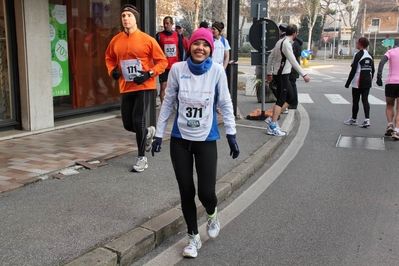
(141, 164)
(213, 226)
(268, 120)
(365, 124)
(149, 140)
(275, 132)
(351, 121)
(194, 244)
(285, 111)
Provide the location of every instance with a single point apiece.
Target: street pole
(375, 41)
(263, 62)
(333, 48)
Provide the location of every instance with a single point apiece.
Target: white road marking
(336, 99)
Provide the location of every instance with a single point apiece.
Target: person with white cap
(130, 58)
(197, 85)
(282, 28)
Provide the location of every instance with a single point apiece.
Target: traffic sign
(305, 54)
(325, 39)
(388, 42)
(255, 34)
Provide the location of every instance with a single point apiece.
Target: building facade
(52, 62)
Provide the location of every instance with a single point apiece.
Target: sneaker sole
(389, 133)
(190, 256)
(395, 137)
(141, 170)
(272, 134)
(364, 126)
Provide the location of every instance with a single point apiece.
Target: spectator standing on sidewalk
(221, 55)
(172, 45)
(204, 24)
(294, 75)
(130, 60)
(361, 77)
(281, 60)
(197, 85)
(180, 30)
(281, 29)
(391, 90)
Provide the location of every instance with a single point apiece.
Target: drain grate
(360, 142)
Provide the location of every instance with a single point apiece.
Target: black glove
(142, 78)
(379, 81)
(234, 151)
(115, 74)
(156, 145)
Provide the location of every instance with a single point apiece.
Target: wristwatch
(151, 73)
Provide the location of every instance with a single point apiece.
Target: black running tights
(364, 93)
(204, 153)
(133, 110)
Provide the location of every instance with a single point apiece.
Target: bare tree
(351, 9)
(219, 10)
(312, 9)
(278, 9)
(328, 8)
(245, 12)
(197, 5)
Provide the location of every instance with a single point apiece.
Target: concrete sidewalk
(109, 216)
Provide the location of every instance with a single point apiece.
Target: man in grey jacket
(280, 62)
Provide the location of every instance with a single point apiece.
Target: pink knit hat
(202, 34)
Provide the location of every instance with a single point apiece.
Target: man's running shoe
(213, 226)
(194, 244)
(365, 124)
(351, 121)
(285, 111)
(395, 135)
(148, 141)
(268, 120)
(275, 132)
(140, 165)
(389, 130)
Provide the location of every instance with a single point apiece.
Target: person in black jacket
(297, 49)
(361, 77)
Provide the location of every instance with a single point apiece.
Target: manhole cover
(360, 142)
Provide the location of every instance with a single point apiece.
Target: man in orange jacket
(130, 58)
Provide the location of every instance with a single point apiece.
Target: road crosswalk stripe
(304, 98)
(375, 100)
(336, 99)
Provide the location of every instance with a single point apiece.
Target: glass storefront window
(90, 24)
(5, 90)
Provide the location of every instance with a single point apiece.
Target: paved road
(315, 203)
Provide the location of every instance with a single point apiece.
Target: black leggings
(133, 109)
(356, 93)
(183, 154)
(285, 93)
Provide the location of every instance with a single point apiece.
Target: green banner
(59, 50)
